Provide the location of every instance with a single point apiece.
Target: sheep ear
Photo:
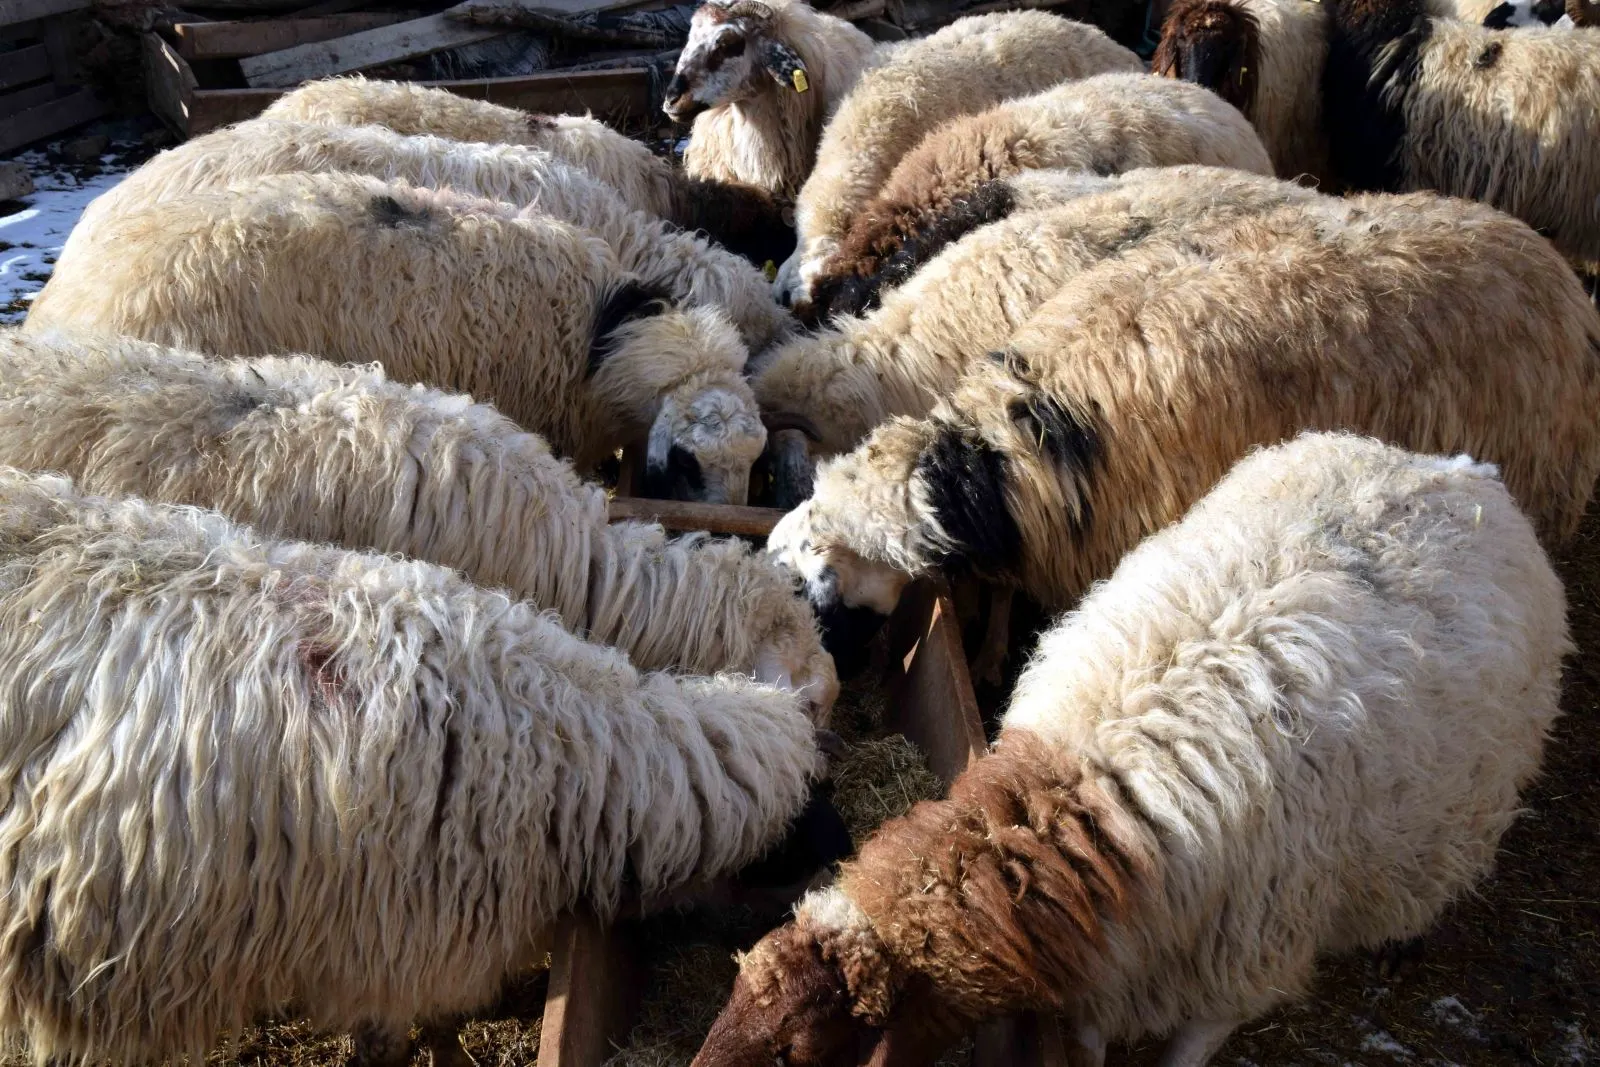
(964, 481)
(783, 63)
(670, 471)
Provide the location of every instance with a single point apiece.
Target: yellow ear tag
(800, 83)
(770, 269)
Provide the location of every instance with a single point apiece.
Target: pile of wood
(41, 93)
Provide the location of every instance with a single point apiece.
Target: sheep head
(703, 444)
(733, 53)
(810, 994)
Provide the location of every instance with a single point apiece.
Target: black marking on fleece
(1070, 440)
(389, 213)
(818, 838)
(680, 478)
(1374, 62)
(1489, 56)
(629, 301)
(846, 630)
(965, 480)
(742, 218)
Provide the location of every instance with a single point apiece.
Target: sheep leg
(989, 665)
(380, 1045)
(1086, 1047)
(1394, 961)
(1196, 1042)
(443, 1041)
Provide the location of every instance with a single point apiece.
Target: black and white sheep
(471, 295)
(1133, 389)
(759, 78)
(1296, 722)
(300, 448)
(249, 773)
(745, 219)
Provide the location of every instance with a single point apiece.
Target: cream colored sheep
(470, 295)
(1107, 124)
(249, 773)
(970, 65)
(301, 448)
(687, 267)
(1134, 388)
(743, 218)
(763, 75)
(1296, 722)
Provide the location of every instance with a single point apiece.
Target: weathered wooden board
(49, 118)
(357, 51)
(27, 10)
(930, 691)
(23, 65)
(234, 38)
(593, 995)
(614, 94)
(683, 515)
(168, 82)
(22, 99)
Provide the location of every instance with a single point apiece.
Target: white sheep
(1296, 722)
(1508, 117)
(300, 448)
(1107, 124)
(688, 267)
(970, 65)
(249, 772)
(1138, 384)
(520, 309)
(745, 219)
(763, 76)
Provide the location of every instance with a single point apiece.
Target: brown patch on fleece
(999, 896)
(1211, 43)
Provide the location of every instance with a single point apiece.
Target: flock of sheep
(324, 685)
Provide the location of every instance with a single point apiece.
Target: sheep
(525, 311)
(1134, 388)
(1297, 721)
(902, 357)
(745, 219)
(970, 65)
(357, 784)
(688, 267)
(1106, 124)
(1266, 58)
(1508, 118)
(304, 449)
(763, 76)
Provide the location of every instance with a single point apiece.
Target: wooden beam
(229, 40)
(21, 100)
(22, 65)
(27, 10)
(212, 108)
(169, 83)
(684, 515)
(49, 119)
(593, 995)
(358, 51)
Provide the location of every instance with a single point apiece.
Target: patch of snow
(1576, 1048)
(1449, 1011)
(1376, 1040)
(31, 239)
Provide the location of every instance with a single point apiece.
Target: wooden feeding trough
(594, 984)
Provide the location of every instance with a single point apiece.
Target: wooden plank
(22, 65)
(49, 119)
(229, 40)
(357, 51)
(931, 698)
(615, 94)
(685, 515)
(593, 995)
(169, 83)
(22, 99)
(27, 10)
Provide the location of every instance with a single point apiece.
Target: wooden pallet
(594, 986)
(40, 94)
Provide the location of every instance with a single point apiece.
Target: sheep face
(812, 676)
(789, 1006)
(852, 595)
(702, 447)
(730, 56)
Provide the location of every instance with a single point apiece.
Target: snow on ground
(31, 239)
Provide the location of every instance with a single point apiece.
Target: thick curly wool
(1295, 722)
(249, 773)
(1510, 118)
(759, 129)
(970, 65)
(465, 294)
(745, 219)
(900, 358)
(1103, 125)
(1264, 56)
(686, 266)
(301, 448)
(1131, 391)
